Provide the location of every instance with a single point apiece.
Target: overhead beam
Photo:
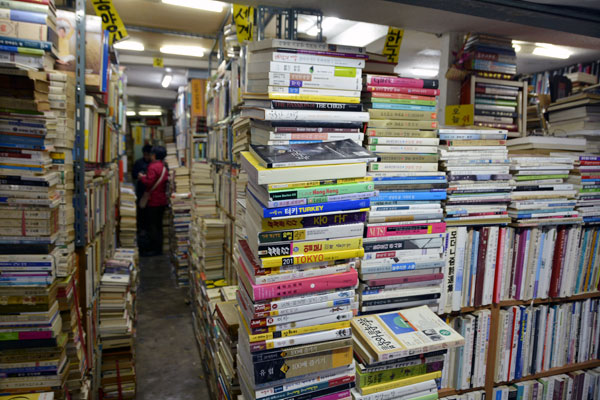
(172, 62)
(137, 91)
(138, 28)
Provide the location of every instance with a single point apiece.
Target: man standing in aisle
(155, 182)
(141, 167)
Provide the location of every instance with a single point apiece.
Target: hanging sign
(198, 95)
(393, 40)
(111, 21)
(243, 16)
(460, 114)
(158, 62)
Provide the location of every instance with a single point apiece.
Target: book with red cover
(480, 270)
(499, 261)
(559, 248)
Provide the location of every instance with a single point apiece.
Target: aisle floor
(168, 363)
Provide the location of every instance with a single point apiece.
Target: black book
(37, 248)
(302, 155)
(403, 299)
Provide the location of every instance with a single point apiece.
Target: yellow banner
(459, 114)
(158, 62)
(243, 16)
(198, 95)
(393, 40)
(110, 20)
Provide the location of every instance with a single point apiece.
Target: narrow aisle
(168, 363)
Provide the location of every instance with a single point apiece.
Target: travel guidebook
(339, 152)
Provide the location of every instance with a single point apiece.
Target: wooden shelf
(554, 371)
(551, 300)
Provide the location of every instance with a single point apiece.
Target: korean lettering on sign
(393, 40)
(460, 114)
(243, 17)
(110, 20)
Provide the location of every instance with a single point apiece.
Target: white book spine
(335, 83)
(402, 167)
(318, 136)
(459, 272)
(314, 91)
(490, 265)
(403, 141)
(300, 58)
(403, 149)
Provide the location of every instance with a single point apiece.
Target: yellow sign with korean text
(459, 114)
(158, 62)
(198, 96)
(111, 21)
(393, 40)
(243, 16)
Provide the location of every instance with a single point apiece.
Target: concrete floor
(167, 359)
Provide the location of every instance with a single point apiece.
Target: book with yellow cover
(313, 97)
(399, 383)
(28, 396)
(273, 262)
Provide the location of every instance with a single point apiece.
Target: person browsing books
(155, 199)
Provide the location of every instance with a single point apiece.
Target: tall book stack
(61, 97)
(403, 261)
(28, 241)
(576, 116)
(116, 329)
(212, 242)
(490, 56)
(28, 36)
(181, 205)
(297, 278)
(202, 189)
(528, 345)
(127, 216)
(585, 178)
(227, 324)
(541, 195)
(496, 104)
(400, 354)
(479, 187)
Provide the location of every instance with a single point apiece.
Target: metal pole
(79, 149)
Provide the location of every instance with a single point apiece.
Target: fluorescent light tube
(166, 81)
(546, 50)
(150, 113)
(191, 51)
(129, 45)
(131, 113)
(206, 5)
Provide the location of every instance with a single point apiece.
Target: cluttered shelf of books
(66, 311)
(497, 236)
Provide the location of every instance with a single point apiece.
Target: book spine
(404, 115)
(321, 70)
(408, 107)
(334, 83)
(322, 199)
(299, 340)
(313, 221)
(402, 149)
(404, 141)
(297, 105)
(316, 92)
(403, 280)
(23, 16)
(314, 97)
(320, 191)
(308, 247)
(314, 59)
(403, 90)
(317, 136)
(315, 208)
(405, 230)
(261, 279)
(401, 124)
(273, 262)
(399, 96)
(385, 81)
(331, 232)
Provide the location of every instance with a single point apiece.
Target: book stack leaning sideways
(297, 269)
(127, 216)
(118, 286)
(32, 352)
(400, 354)
(403, 262)
(181, 219)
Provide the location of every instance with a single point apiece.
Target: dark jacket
(158, 197)
(140, 166)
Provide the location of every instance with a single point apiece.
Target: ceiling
(424, 22)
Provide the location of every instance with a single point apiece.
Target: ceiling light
(548, 50)
(314, 31)
(191, 51)
(424, 72)
(360, 34)
(517, 47)
(166, 81)
(329, 22)
(150, 113)
(129, 45)
(131, 113)
(430, 53)
(206, 5)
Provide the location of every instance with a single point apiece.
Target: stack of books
(211, 249)
(400, 354)
(61, 97)
(403, 261)
(202, 189)
(28, 34)
(127, 216)
(581, 80)
(585, 178)
(490, 56)
(297, 278)
(68, 303)
(574, 116)
(116, 329)
(496, 104)
(541, 195)
(227, 324)
(479, 180)
(181, 219)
